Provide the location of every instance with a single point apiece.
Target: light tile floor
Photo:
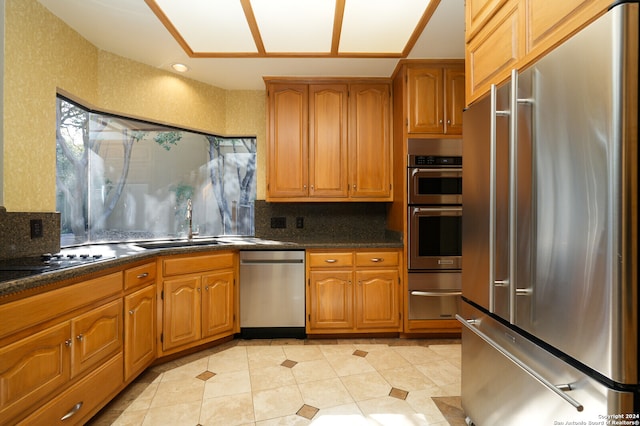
(299, 382)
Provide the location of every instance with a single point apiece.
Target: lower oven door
(434, 295)
(435, 237)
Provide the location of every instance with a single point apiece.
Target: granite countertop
(122, 254)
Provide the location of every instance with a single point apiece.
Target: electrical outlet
(278, 222)
(36, 228)
(299, 222)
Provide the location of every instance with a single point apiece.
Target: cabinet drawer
(330, 260)
(377, 258)
(82, 400)
(191, 264)
(43, 307)
(143, 274)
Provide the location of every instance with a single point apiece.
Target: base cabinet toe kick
(507, 380)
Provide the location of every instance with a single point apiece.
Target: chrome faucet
(190, 218)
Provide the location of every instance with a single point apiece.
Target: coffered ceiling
(232, 44)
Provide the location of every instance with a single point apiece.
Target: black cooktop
(11, 269)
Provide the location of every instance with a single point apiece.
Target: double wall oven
(435, 228)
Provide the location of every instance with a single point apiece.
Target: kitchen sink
(160, 244)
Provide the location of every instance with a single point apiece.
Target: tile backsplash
(16, 230)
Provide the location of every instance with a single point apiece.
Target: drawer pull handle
(143, 275)
(73, 411)
(330, 260)
(80, 337)
(377, 259)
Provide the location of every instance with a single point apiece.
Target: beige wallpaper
(43, 55)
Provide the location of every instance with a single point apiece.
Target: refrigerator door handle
(557, 389)
(513, 192)
(492, 195)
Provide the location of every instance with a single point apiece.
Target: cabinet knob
(68, 343)
(206, 288)
(131, 312)
(448, 121)
(80, 337)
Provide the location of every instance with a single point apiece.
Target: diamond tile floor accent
(299, 382)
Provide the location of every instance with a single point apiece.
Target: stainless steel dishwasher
(272, 293)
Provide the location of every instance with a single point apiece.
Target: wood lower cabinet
(353, 291)
(140, 301)
(329, 140)
(198, 299)
(59, 346)
(139, 330)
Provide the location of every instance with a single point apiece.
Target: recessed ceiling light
(180, 67)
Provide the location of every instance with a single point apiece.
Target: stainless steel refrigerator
(550, 236)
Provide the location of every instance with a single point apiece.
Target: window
(120, 179)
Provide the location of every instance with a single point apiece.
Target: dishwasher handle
(270, 261)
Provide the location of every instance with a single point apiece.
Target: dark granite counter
(122, 254)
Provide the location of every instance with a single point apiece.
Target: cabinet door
(33, 368)
(97, 335)
(140, 330)
(454, 100)
(328, 140)
(287, 162)
(181, 319)
(217, 303)
(330, 300)
(424, 87)
(496, 48)
(369, 142)
(377, 299)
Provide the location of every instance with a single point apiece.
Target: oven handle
(415, 171)
(437, 209)
(436, 293)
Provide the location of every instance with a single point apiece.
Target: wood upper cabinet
(329, 141)
(502, 35)
(370, 142)
(328, 160)
(353, 291)
(288, 158)
(198, 299)
(436, 98)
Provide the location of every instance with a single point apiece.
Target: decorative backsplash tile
(16, 230)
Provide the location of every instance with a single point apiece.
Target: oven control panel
(434, 161)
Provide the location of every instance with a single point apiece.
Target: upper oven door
(432, 186)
